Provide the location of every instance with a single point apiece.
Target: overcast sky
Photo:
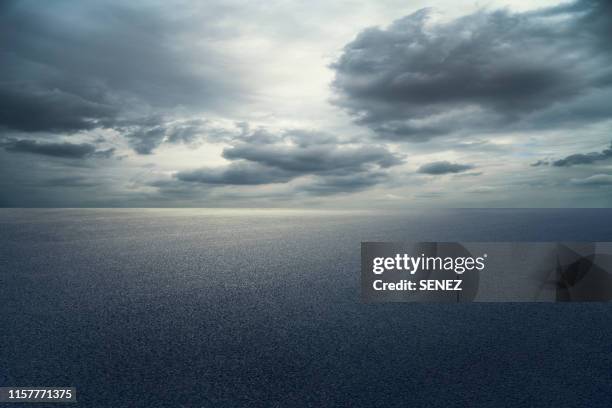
(342, 104)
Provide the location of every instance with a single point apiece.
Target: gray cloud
(70, 181)
(30, 108)
(266, 158)
(144, 140)
(104, 154)
(343, 184)
(74, 67)
(487, 71)
(146, 135)
(444, 167)
(588, 158)
(191, 131)
(314, 159)
(63, 150)
(594, 180)
(241, 173)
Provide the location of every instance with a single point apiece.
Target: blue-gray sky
(344, 104)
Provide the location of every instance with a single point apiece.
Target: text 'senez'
(486, 272)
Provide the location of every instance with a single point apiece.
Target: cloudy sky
(342, 104)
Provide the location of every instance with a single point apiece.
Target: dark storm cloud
(314, 159)
(242, 173)
(266, 158)
(343, 184)
(29, 108)
(588, 158)
(63, 150)
(486, 71)
(78, 66)
(444, 167)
